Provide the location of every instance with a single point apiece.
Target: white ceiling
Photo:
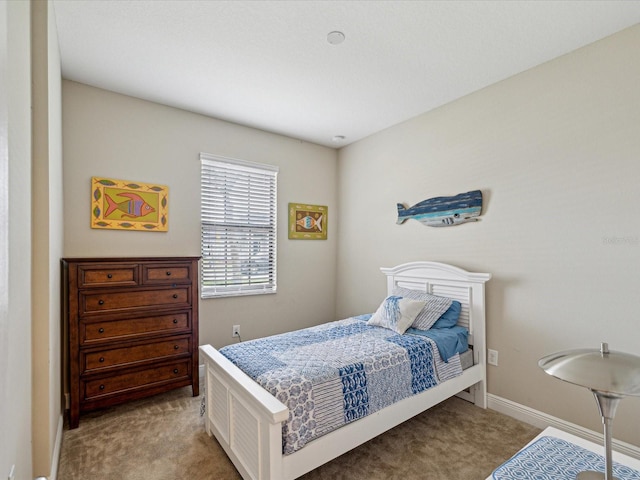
(268, 65)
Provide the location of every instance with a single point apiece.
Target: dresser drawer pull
(175, 295)
(101, 359)
(100, 302)
(101, 330)
(175, 320)
(101, 387)
(175, 370)
(168, 273)
(176, 347)
(109, 275)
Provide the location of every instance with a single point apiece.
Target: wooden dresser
(132, 328)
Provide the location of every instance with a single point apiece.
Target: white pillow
(434, 306)
(396, 313)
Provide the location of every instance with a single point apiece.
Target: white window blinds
(238, 217)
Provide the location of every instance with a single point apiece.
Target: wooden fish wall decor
(444, 211)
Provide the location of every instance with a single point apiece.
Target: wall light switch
(493, 358)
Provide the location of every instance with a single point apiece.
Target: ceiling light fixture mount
(338, 138)
(335, 37)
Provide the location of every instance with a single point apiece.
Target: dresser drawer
(108, 301)
(135, 380)
(103, 275)
(134, 354)
(153, 274)
(131, 328)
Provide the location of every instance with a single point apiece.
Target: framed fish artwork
(307, 222)
(127, 205)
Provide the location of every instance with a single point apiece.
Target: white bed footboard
(247, 420)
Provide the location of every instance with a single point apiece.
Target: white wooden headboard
(448, 281)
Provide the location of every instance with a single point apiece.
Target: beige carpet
(163, 438)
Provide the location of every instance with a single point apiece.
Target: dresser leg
(74, 418)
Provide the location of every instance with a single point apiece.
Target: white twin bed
(248, 421)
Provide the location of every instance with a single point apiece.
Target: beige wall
(47, 237)
(111, 135)
(15, 225)
(556, 151)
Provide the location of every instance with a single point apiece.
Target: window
(238, 218)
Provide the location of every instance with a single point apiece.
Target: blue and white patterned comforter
(338, 372)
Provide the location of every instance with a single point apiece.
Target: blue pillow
(449, 318)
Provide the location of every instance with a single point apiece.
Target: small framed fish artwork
(307, 222)
(127, 205)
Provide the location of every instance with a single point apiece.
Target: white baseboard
(542, 420)
(55, 458)
(57, 449)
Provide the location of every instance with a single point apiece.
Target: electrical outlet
(493, 358)
(236, 331)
